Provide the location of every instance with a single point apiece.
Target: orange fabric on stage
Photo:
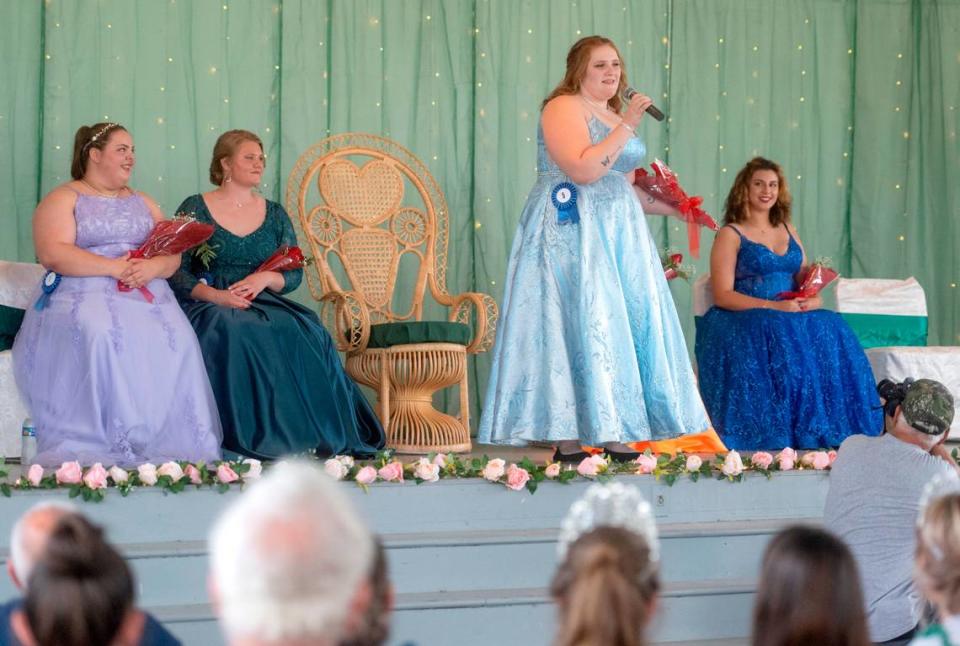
(706, 442)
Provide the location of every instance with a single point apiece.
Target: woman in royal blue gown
(776, 373)
(589, 350)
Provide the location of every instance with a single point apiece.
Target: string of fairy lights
(435, 96)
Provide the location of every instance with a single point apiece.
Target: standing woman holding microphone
(589, 350)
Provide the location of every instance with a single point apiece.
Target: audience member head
(578, 67)
(374, 627)
(106, 149)
(919, 412)
(749, 183)
(607, 582)
(237, 156)
(29, 538)
(937, 563)
(290, 560)
(80, 591)
(809, 592)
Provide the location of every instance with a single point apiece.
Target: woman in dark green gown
(274, 369)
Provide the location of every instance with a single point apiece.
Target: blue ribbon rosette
(51, 280)
(564, 198)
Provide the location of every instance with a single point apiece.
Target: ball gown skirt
(107, 376)
(589, 346)
(274, 368)
(774, 379)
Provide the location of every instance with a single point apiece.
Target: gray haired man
(874, 498)
(290, 561)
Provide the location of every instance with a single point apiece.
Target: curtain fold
(858, 99)
(21, 79)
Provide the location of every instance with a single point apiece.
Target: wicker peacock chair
(358, 226)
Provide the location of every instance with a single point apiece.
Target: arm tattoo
(650, 199)
(606, 160)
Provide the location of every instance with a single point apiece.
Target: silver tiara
(98, 135)
(612, 505)
(942, 484)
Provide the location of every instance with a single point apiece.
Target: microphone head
(628, 93)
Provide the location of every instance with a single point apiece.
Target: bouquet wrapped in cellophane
(812, 280)
(168, 238)
(285, 258)
(664, 186)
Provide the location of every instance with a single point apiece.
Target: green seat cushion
(385, 335)
(10, 320)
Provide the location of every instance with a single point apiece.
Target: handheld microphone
(652, 110)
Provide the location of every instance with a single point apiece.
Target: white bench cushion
(702, 295)
(881, 296)
(18, 288)
(930, 362)
(18, 283)
(12, 408)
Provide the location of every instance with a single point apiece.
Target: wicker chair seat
(386, 335)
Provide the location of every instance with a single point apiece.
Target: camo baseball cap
(928, 407)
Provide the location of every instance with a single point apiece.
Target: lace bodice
(111, 226)
(761, 272)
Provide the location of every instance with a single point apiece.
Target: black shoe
(622, 456)
(577, 457)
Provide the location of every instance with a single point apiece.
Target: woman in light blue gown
(589, 350)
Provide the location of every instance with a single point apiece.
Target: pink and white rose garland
(91, 482)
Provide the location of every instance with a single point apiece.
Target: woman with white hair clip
(937, 562)
(607, 583)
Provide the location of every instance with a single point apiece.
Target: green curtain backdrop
(858, 99)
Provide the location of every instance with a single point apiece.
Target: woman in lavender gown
(109, 377)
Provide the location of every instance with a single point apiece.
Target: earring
(227, 179)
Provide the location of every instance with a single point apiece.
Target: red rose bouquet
(811, 281)
(663, 185)
(169, 238)
(673, 267)
(285, 258)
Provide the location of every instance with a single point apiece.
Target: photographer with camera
(874, 498)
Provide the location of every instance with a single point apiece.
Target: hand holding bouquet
(285, 258)
(812, 280)
(664, 186)
(168, 238)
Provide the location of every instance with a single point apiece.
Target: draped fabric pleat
(858, 99)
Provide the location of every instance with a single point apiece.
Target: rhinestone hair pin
(612, 505)
(99, 134)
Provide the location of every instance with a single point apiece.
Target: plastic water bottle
(28, 443)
